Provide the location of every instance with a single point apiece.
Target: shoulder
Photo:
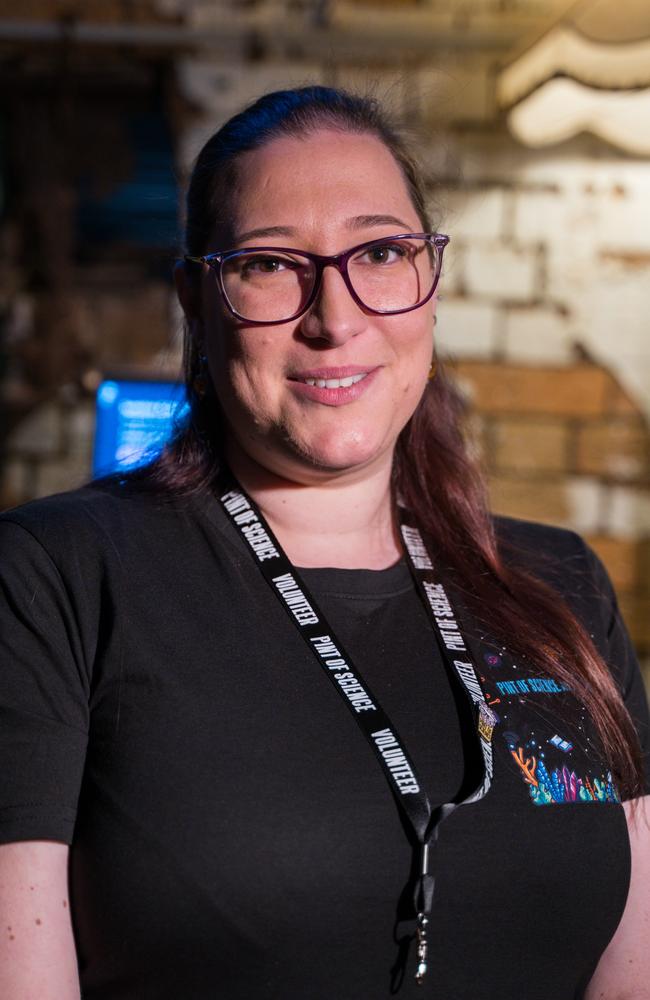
(532, 537)
(564, 561)
(558, 556)
(105, 516)
(61, 510)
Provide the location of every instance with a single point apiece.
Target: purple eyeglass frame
(340, 261)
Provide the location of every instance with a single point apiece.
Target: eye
(266, 264)
(384, 253)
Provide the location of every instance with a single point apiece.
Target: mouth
(333, 386)
(332, 378)
(332, 383)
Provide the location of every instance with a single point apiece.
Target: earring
(200, 381)
(433, 367)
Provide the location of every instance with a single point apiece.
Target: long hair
(433, 473)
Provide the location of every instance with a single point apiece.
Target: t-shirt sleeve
(44, 693)
(622, 661)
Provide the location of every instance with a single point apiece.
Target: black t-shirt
(232, 834)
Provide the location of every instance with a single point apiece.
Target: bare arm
(623, 972)
(37, 952)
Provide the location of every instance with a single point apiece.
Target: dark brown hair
(433, 473)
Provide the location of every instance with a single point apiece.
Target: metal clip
(423, 948)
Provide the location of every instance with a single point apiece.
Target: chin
(340, 453)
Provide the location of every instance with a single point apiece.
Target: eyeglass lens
(273, 286)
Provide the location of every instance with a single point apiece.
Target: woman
(396, 769)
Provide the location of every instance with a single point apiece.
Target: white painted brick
(471, 215)
(628, 512)
(571, 265)
(537, 215)
(501, 272)
(624, 193)
(537, 336)
(436, 208)
(572, 166)
(628, 227)
(607, 202)
(593, 199)
(613, 308)
(585, 503)
(453, 273)
(466, 329)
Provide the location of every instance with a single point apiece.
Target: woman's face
(324, 193)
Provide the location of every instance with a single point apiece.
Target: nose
(334, 316)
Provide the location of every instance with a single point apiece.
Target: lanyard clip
(423, 903)
(423, 948)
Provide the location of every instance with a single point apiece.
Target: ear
(188, 291)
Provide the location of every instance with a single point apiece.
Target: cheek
(415, 349)
(243, 369)
(241, 363)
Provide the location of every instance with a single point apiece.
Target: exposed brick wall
(567, 446)
(124, 326)
(550, 254)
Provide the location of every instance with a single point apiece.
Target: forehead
(317, 182)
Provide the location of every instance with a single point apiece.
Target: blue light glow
(134, 420)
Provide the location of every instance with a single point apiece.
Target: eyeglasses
(269, 285)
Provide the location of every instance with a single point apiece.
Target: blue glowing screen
(133, 421)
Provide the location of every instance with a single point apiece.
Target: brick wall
(567, 446)
(551, 251)
(50, 449)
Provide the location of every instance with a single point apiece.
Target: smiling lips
(334, 383)
(333, 386)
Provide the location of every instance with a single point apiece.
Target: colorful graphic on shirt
(562, 785)
(493, 660)
(531, 685)
(561, 744)
(549, 736)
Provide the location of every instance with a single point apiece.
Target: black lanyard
(378, 729)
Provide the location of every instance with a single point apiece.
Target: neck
(345, 521)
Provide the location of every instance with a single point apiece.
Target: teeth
(334, 383)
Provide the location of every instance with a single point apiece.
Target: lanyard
(376, 726)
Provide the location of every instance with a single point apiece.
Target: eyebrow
(354, 223)
(265, 231)
(365, 221)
